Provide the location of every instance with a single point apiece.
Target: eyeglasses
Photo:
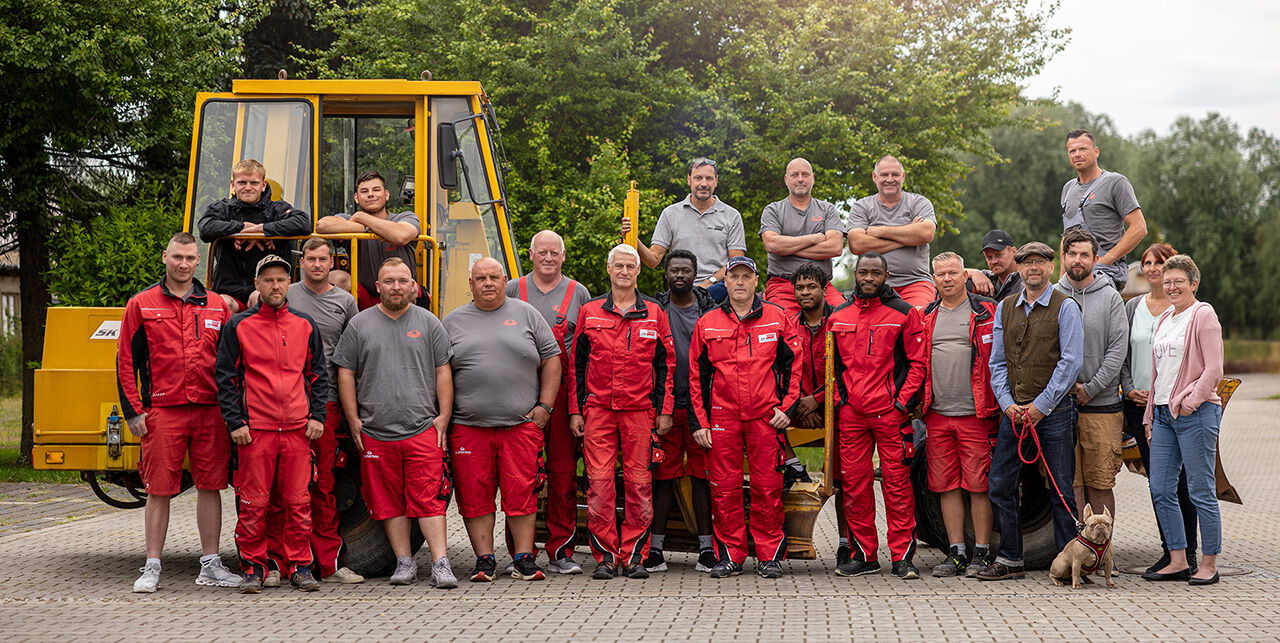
(699, 162)
(1034, 259)
(1177, 283)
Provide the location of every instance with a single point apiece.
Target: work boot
(953, 565)
(983, 557)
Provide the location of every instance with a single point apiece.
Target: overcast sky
(1145, 63)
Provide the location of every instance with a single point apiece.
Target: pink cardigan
(1201, 369)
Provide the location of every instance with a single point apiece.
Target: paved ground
(71, 581)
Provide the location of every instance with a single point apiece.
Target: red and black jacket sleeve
(579, 357)
(701, 375)
(788, 364)
(664, 364)
(910, 356)
(229, 374)
(133, 362)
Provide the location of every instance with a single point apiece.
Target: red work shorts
(959, 452)
(486, 459)
(918, 293)
(682, 456)
(780, 291)
(404, 477)
(175, 433)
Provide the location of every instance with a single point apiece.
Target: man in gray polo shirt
(396, 389)
(899, 225)
(800, 230)
(1103, 203)
(506, 369)
(397, 230)
(701, 224)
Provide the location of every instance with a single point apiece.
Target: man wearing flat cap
(1036, 353)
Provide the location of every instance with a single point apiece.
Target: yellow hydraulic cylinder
(631, 210)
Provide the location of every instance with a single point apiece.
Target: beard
(858, 292)
(681, 290)
(393, 305)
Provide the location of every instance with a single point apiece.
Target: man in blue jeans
(1036, 353)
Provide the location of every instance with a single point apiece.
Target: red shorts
(682, 456)
(404, 477)
(959, 452)
(918, 293)
(175, 433)
(486, 459)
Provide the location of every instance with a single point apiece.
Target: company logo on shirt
(508, 322)
(414, 334)
(1092, 196)
(767, 337)
(212, 323)
(816, 218)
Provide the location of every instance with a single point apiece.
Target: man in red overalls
(620, 378)
(744, 375)
(558, 298)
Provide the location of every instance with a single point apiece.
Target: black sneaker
(858, 568)
(636, 571)
(706, 561)
(954, 564)
(303, 580)
(486, 570)
(843, 555)
(792, 474)
(725, 569)
(605, 571)
(983, 557)
(252, 583)
(655, 562)
(905, 570)
(527, 569)
(769, 569)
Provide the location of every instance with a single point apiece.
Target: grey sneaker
(955, 564)
(565, 565)
(442, 574)
(214, 574)
(149, 580)
(406, 572)
(272, 578)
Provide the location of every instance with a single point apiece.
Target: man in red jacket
(744, 375)
(168, 342)
(620, 378)
(880, 356)
(272, 388)
(962, 411)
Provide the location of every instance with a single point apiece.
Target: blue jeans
(1190, 441)
(1057, 438)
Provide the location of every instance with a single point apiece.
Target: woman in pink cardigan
(1182, 419)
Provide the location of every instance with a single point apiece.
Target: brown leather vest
(1031, 346)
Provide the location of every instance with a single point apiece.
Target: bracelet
(546, 407)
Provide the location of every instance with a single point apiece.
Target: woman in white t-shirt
(1135, 383)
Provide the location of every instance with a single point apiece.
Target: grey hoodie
(1106, 339)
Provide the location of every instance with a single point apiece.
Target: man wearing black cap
(1037, 349)
(1002, 278)
(272, 388)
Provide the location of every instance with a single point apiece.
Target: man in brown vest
(1036, 353)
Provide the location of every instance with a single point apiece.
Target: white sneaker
(272, 579)
(345, 576)
(149, 580)
(442, 574)
(565, 565)
(406, 572)
(215, 574)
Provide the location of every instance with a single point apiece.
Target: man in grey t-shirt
(396, 389)
(800, 230)
(701, 224)
(899, 225)
(397, 232)
(1104, 204)
(330, 308)
(506, 368)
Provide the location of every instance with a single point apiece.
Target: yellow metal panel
(356, 87)
(81, 337)
(84, 458)
(72, 406)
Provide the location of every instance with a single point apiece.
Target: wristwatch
(712, 279)
(545, 407)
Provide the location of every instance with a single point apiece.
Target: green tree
(93, 95)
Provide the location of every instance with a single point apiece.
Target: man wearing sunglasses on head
(1102, 203)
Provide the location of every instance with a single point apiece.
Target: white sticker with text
(648, 333)
(109, 329)
(767, 337)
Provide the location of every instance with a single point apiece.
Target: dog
(1086, 552)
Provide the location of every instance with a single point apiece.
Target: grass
(10, 421)
(10, 438)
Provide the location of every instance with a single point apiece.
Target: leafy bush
(10, 359)
(107, 260)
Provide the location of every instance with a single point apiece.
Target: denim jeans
(1133, 414)
(1057, 438)
(1189, 441)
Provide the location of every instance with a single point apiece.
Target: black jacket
(233, 269)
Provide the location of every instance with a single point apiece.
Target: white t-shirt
(1168, 347)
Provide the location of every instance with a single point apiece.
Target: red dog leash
(1029, 429)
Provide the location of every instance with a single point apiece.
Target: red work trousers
(274, 462)
(562, 481)
(858, 434)
(608, 435)
(326, 542)
(762, 444)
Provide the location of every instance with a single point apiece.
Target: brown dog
(1086, 553)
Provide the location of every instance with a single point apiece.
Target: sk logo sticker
(414, 334)
(767, 337)
(648, 333)
(509, 322)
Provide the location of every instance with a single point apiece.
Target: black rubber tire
(1038, 547)
(365, 547)
(101, 492)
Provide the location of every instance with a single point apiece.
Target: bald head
(488, 283)
(799, 179)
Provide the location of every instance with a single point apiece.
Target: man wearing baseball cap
(1001, 279)
(272, 388)
(744, 374)
(1037, 349)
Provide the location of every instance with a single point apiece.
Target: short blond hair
(1184, 263)
(947, 256)
(249, 166)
